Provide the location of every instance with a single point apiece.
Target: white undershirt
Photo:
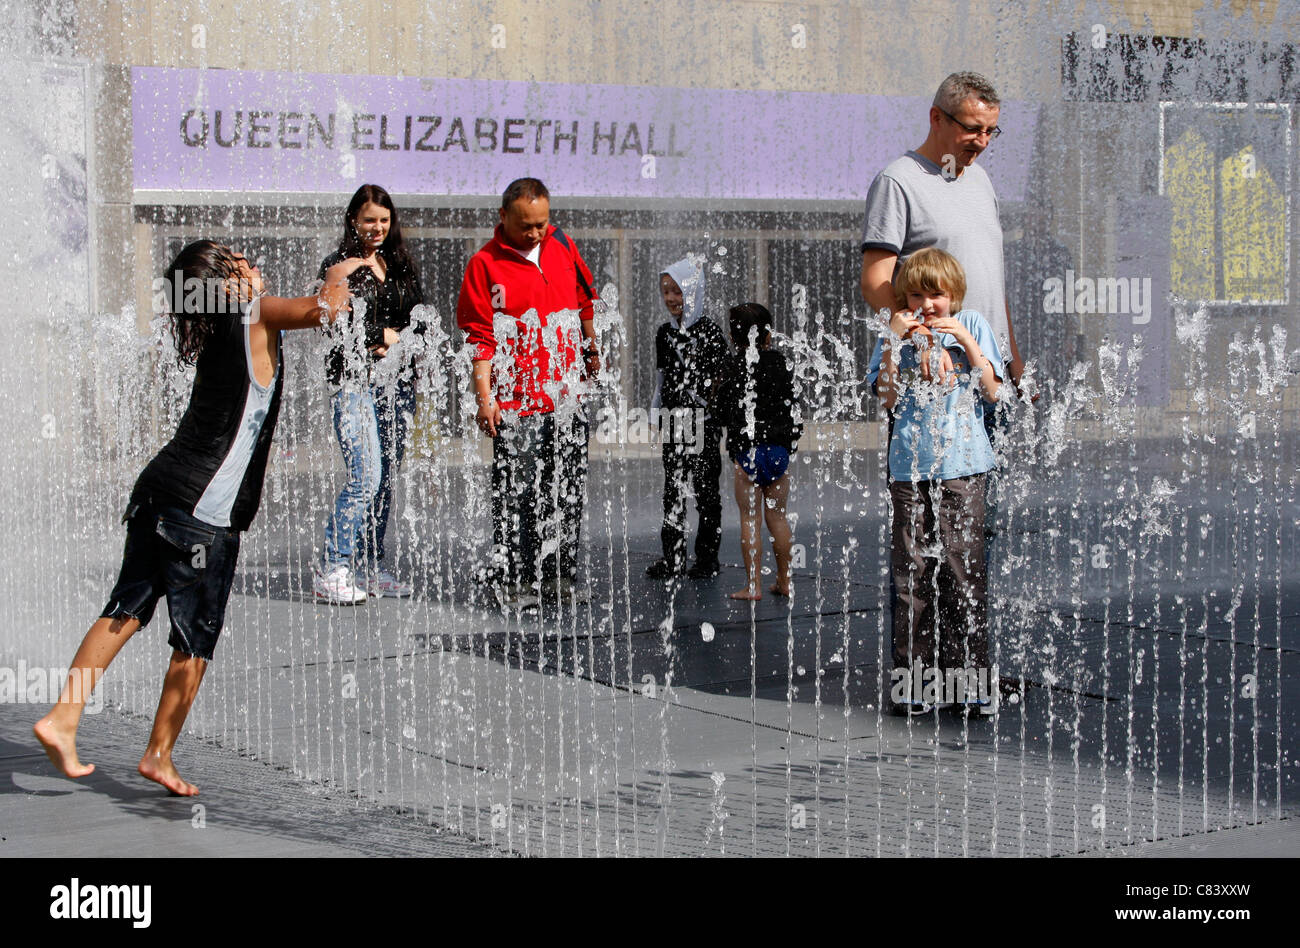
(533, 256)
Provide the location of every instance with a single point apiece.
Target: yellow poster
(1253, 232)
(1189, 183)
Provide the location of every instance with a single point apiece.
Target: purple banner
(226, 130)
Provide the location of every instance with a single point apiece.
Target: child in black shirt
(762, 432)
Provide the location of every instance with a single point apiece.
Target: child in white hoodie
(691, 359)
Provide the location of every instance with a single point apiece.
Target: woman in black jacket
(373, 398)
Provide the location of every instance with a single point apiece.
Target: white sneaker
(383, 583)
(338, 587)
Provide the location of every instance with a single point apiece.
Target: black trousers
(539, 486)
(701, 465)
(939, 575)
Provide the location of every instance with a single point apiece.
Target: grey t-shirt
(912, 204)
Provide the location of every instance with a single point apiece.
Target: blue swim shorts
(764, 463)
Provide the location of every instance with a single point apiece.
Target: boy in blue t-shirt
(939, 453)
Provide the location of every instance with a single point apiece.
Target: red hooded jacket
(500, 280)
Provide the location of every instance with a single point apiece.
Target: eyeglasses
(975, 130)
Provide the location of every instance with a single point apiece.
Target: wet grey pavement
(1152, 714)
(244, 807)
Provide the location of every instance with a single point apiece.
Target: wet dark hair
(746, 316)
(203, 260)
(529, 189)
(393, 249)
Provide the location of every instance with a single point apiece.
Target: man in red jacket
(526, 310)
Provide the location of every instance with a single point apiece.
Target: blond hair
(933, 271)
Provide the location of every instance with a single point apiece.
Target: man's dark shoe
(564, 590)
(663, 569)
(981, 707)
(904, 709)
(1012, 690)
(514, 597)
(703, 570)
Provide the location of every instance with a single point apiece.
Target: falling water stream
(1143, 597)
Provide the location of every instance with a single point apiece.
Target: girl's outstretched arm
(307, 312)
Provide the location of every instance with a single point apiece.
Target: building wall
(891, 48)
(822, 46)
(849, 44)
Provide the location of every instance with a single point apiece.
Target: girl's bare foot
(748, 594)
(161, 770)
(782, 590)
(61, 747)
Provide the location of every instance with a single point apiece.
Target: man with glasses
(936, 196)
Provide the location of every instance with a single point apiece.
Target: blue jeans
(371, 426)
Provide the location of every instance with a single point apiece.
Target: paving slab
(245, 807)
(663, 719)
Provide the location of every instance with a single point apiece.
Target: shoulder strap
(582, 280)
